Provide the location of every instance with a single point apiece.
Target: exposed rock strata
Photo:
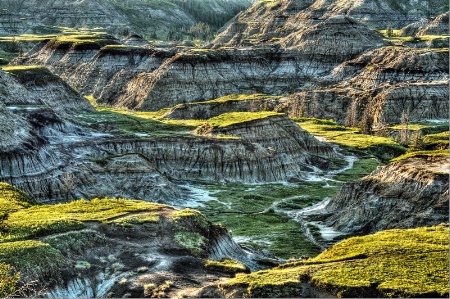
(434, 26)
(267, 21)
(66, 160)
(378, 87)
(403, 194)
(144, 17)
(126, 253)
(206, 110)
(208, 74)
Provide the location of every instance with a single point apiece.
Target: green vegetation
(74, 241)
(32, 258)
(122, 121)
(117, 121)
(83, 41)
(422, 154)
(37, 75)
(194, 242)
(392, 263)
(12, 199)
(152, 290)
(232, 118)
(226, 265)
(360, 168)
(238, 97)
(256, 213)
(351, 138)
(43, 220)
(438, 140)
(395, 35)
(138, 219)
(189, 217)
(8, 280)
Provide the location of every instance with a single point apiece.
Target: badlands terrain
(219, 148)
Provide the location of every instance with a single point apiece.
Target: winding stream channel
(199, 196)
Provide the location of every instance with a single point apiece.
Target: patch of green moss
(360, 169)
(138, 219)
(75, 242)
(437, 140)
(392, 263)
(12, 199)
(422, 154)
(227, 265)
(382, 147)
(33, 259)
(190, 218)
(194, 242)
(43, 220)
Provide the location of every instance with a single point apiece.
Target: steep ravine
(67, 159)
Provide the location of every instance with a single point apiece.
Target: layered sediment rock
(208, 74)
(233, 103)
(434, 26)
(403, 194)
(145, 17)
(378, 87)
(65, 160)
(267, 21)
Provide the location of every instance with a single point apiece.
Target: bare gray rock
(403, 194)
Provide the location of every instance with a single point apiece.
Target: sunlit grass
(232, 118)
(422, 154)
(12, 199)
(384, 148)
(393, 263)
(47, 219)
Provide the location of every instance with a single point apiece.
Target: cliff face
(378, 87)
(66, 160)
(433, 26)
(146, 17)
(208, 74)
(403, 194)
(267, 21)
(111, 247)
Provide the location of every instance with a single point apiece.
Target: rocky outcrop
(144, 78)
(421, 101)
(90, 69)
(267, 21)
(207, 74)
(138, 244)
(90, 166)
(43, 88)
(337, 38)
(231, 103)
(428, 26)
(438, 26)
(66, 159)
(377, 87)
(404, 194)
(392, 65)
(144, 17)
